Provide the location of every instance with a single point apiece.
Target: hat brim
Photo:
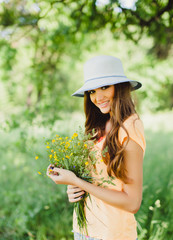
(105, 82)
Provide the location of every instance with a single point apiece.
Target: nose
(99, 96)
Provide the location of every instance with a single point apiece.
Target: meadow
(32, 207)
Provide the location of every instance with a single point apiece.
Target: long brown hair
(122, 108)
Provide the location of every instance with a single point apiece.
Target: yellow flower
(53, 140)
(66, 138)
(47, 147)
(74, 135)
(71, 154)
(67, 156)
(78, 143)
(86, 163)
(39, 173)
(36, 157)
(47, 143)
(57, 135)
(69, 140)
(67, 145)
(85, 145)
(60, 139)
(101, 160)
(52, 150)
(55, 156)
(50, 156)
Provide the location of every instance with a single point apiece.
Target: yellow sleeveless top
(103, 220)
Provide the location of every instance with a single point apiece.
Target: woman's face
(102, 97)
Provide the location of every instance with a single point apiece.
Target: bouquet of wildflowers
(74, 154)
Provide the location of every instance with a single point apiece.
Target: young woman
(110, 110)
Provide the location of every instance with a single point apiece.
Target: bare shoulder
(132, 120)
(133, 157)
(131, 147)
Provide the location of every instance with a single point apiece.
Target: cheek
(92, 98)
(111, 93)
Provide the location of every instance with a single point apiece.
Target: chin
(104, 111)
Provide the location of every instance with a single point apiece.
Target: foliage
(44, 44)
(74, 20)
(155, 216)
(35, 60)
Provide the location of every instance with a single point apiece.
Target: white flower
(157, 203)
(151, 208)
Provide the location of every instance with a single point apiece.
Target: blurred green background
(43, 45)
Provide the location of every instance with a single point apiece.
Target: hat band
(104, 77)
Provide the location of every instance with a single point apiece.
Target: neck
(108, 127)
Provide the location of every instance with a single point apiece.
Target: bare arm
(130, 198)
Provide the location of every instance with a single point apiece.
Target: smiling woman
(102, 98)
(110, 111)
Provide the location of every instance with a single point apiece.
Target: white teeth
(104, 104)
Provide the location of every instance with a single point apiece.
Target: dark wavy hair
(122, 108)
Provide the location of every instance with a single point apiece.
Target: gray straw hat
(103, 71)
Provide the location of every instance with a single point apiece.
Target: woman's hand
(61, 176)
(74, 193)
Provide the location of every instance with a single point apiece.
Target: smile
(103, 105)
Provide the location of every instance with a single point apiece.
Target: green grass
(155, 221)
(32, 207)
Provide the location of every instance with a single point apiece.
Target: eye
(104, 87)
(91, 91)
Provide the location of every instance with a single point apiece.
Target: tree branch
(143, 22)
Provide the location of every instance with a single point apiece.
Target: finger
(75, 194)
(55, 169)
(72, 200)
(54, 178)
(74, 191)
(50, 173)
(78, 194)
(50, 167)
